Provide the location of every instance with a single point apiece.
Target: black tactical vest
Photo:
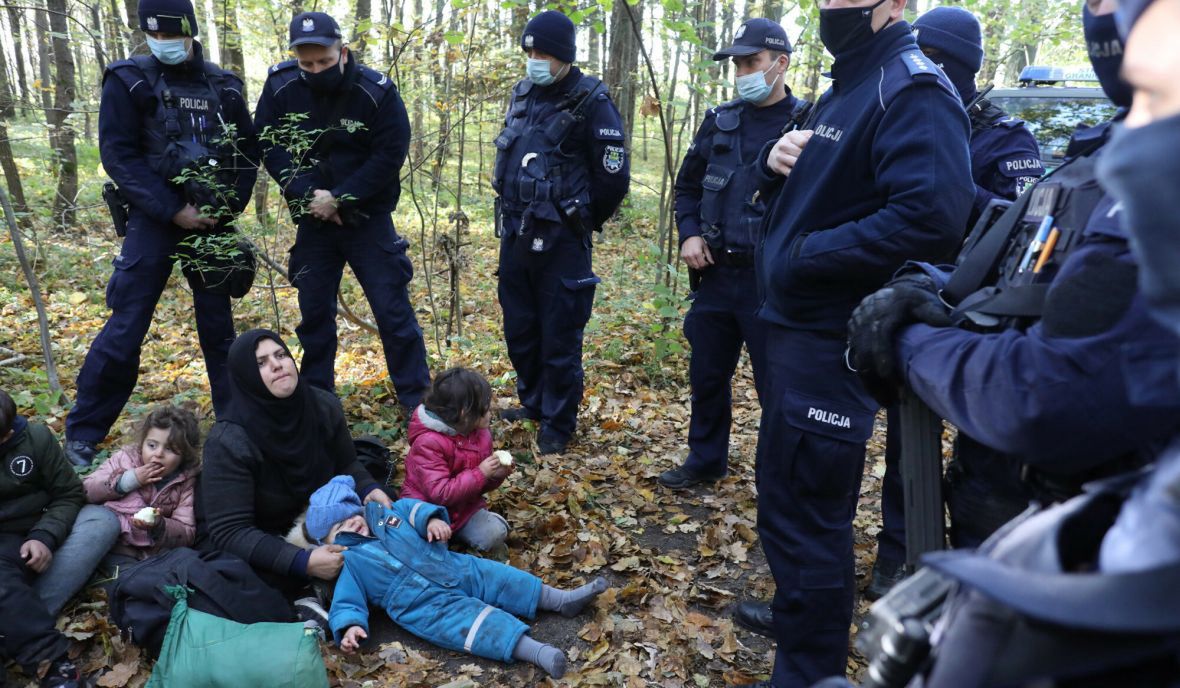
(536, 169)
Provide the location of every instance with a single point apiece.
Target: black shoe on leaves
(755, 616)
(548, 444)
(80, 453)
(62, 674)
(886, 574)
(516, 413)
(683, 478)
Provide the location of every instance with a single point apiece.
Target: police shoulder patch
(613, 158)
(1020, 166)
(609, 133)
(918, 65)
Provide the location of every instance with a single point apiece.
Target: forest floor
(676, 561)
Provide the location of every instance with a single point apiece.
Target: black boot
(80, 452)
(755, 616)
(886, 574)
(683, 478)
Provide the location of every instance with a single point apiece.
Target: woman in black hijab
(280, 440)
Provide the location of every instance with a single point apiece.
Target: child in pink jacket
(450, 461)
(158, 471)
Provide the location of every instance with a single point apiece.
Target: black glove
(874, 326)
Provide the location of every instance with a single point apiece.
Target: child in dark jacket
(40, 495)
(398, 559)
(149, 485)
(451, 462)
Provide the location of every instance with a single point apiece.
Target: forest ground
(675, 561)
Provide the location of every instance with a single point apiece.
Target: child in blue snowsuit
(397, 559)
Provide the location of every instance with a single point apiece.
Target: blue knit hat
(954, 32)
(331, 504)
(168, 16)
(552, 33)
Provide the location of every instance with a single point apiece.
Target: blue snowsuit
(454, 600)
(885, 177)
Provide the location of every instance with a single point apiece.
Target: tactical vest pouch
(503, 143)
(559, 127)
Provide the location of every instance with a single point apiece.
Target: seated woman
(279, 441)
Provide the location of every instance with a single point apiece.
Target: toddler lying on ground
(397, 559)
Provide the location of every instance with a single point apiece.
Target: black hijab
(286, 431)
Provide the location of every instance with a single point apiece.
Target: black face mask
(961, 76)
(846, 28)
(1139, 167)
(327, 80)
(1106, 55)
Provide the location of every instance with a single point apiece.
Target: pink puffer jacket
(443, 467)
(174, 501)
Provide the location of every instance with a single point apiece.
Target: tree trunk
(16, 24)
(41, 22)
(362, 20)
(230, 39)
(61, 133)
(623, 60)
(114, 33)
(12, 178)
(7, 98)
(135, 39)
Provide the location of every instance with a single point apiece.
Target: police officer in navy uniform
(1050, 365)
(341, 194)
(160, 116)
(881, 174)
(719, 214)
(1005, 160)
(561, 171)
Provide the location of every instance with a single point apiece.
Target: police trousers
(111, 368)
(377, 256)
(546, 297)
(816, 419)
(721, 319)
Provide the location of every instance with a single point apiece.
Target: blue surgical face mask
(171, 51)
(753, 88)
(538, 72)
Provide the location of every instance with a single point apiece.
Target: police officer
(1050, 365)
(718, 213)
(882, 174)
(561, 171)
(161, 116)
(1005, 160)
(341, 194)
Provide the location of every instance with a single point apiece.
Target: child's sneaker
(309, 610)
(62, 674)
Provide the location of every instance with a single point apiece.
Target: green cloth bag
(203, 651)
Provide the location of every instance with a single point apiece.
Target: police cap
(315, 28)
(754, 36)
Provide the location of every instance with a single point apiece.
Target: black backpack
(220, 584)
(376, 458)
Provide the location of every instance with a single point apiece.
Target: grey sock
(569, 603)
(549, 658)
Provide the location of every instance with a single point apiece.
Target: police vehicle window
(1052, 120)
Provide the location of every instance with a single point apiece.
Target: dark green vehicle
(1052, 109)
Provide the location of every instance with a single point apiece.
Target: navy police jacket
(596, 142)
(886, 177)
(366, 136)
(734, 184)
(129, 109)
(1005, 158)
(1093, 380)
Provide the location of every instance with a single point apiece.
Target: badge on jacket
(391, 521)
(612, 159)
(21, 466)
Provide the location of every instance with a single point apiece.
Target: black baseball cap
(314, 28)
(754, 36)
